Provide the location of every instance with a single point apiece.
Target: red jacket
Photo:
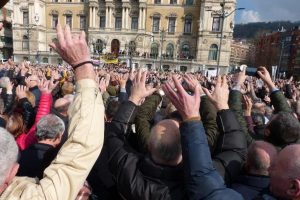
(26, 139)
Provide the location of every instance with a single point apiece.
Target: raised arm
(278, 99)
(68, 171)
(202, 181)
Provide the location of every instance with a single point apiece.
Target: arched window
(188, 24)
(25, 44)
(213, 52)
(185, 50)
(154, 50)
(45, 60)
(170, 51)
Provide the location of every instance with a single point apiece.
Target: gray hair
(3, 82)
(8, 153)
(49, 127)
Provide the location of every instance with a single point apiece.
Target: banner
(109, 59)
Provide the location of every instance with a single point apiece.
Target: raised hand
(122, 79)
(138, 90)
(220, 95)
(47, 86)
(101, 84)
(9, 87)
(187, 105)
(73, 49)
(249, 105)
(265, 76)
(192, 83)
(21, 91)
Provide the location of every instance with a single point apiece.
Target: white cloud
(248, 16)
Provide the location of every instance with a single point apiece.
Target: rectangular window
(172, 22)
(188, 26)
(82, 22)
(173, 1)
(55, 1)
(25, 18)
(155, 26)
(189, 2)
(70, 1)
(216, 27)
(118, 24)
(54, 21)
(134, 23)
(102, 22)
(157, 1)
(69, 20)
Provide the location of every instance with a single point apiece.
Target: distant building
(280, 49)
(6, 41)
(241, 53)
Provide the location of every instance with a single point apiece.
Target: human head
(283, 129)
(62, 104)
(50, 128)
(67, 88)
(111, 109)
(285, 173)
(8, 159)
(15, 124)
(260, 156)
(4, 81)
(164, 143)
(32, 81)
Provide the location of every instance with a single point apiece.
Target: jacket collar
(150, 169)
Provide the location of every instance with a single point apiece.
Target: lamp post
(223, 16)
(162, 39)
(29, 27)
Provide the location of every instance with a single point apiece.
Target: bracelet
(83, 63)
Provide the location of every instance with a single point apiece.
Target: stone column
(140, 18)
(94, 17)
(91, 17)
(110, 17)
(106, 17)
(127, 18)
(123, 18)
(144, 18)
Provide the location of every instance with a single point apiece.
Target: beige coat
(67, 173)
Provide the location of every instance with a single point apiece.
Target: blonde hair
(31, 98)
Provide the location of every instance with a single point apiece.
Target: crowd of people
(114, 133)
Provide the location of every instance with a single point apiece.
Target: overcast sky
(268, 10)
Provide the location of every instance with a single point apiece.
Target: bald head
(164, 143)
(285, 173)
(260, 157)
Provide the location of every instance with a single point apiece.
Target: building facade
(6, 41)
(169, 34)
(242, 52)
(282, 49)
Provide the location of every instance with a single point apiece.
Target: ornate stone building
(6, 41)
(173, 34)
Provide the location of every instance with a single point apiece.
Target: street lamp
(223, 16)
(162, 39)
(29, 27)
